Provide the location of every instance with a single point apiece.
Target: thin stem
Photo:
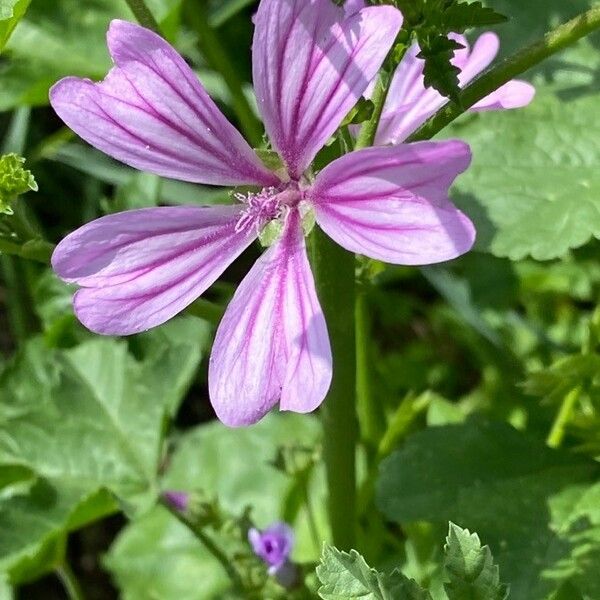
(217, 56)
(70, 582)
(557, 433)
(368, 131)
(143, 15)
(310, 513)
(334, 271)
(209, 544)
(563, 36)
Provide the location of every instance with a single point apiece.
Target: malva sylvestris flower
(139, 268)
(273, 545)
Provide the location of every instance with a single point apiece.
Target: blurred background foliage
(485, 370)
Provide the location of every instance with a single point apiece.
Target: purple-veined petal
(272, 344)
(410, 103)
(152, 113)
(392, 203)
(311, 64)
(139, 268)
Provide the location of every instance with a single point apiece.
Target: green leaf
(11, 12)
(158, 554)
(499, 482)
(439, 73)
(14, 181)
(565, 374)
(84, 421)
(57, 38)
(346, 575)
(534, 190)
(461, 16)
(472, 574)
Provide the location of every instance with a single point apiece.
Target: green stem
(563, 36)
(334, 272)
(143, 15)
(70, 582)
(368, 131)
(218, 58)
(557, 433)
(209, 544)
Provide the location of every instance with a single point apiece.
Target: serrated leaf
(472, 574)
(499, 482)
(83, 421)
(534, 188)
(461, 16)
(439, 73)
(14, 181)
(346, 576)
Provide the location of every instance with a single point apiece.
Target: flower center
(270, 204)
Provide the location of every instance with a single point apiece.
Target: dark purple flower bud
(178, 500)
(274, 545)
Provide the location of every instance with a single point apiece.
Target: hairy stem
(217, 56)
(563, 36)
(334, 271)
(368, 131)
(143, 15)
(209, 544)
(70, 583)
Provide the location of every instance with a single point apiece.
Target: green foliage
(345, 576)
(437, 51)
(534, 190)
(11, 12)
(156, 553)
(432, 21)
(14, 181)
(472, 574)
(82, 422)
(520, 496)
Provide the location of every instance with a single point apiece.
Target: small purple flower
(409, 103)
(178, 500)
(137, 269)
(273, 545)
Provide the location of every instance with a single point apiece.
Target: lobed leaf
(345, 576)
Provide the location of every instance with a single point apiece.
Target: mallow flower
(137, 269)
(409, 103)
(274, 546)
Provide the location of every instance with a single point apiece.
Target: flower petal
(514, 94)
(392, 203)
(141, 267)
(311, 64)
(272, 344)
(152, 113)
(410, 103)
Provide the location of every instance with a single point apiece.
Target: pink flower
(409, 103)
(273, 545)
(139, 268)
